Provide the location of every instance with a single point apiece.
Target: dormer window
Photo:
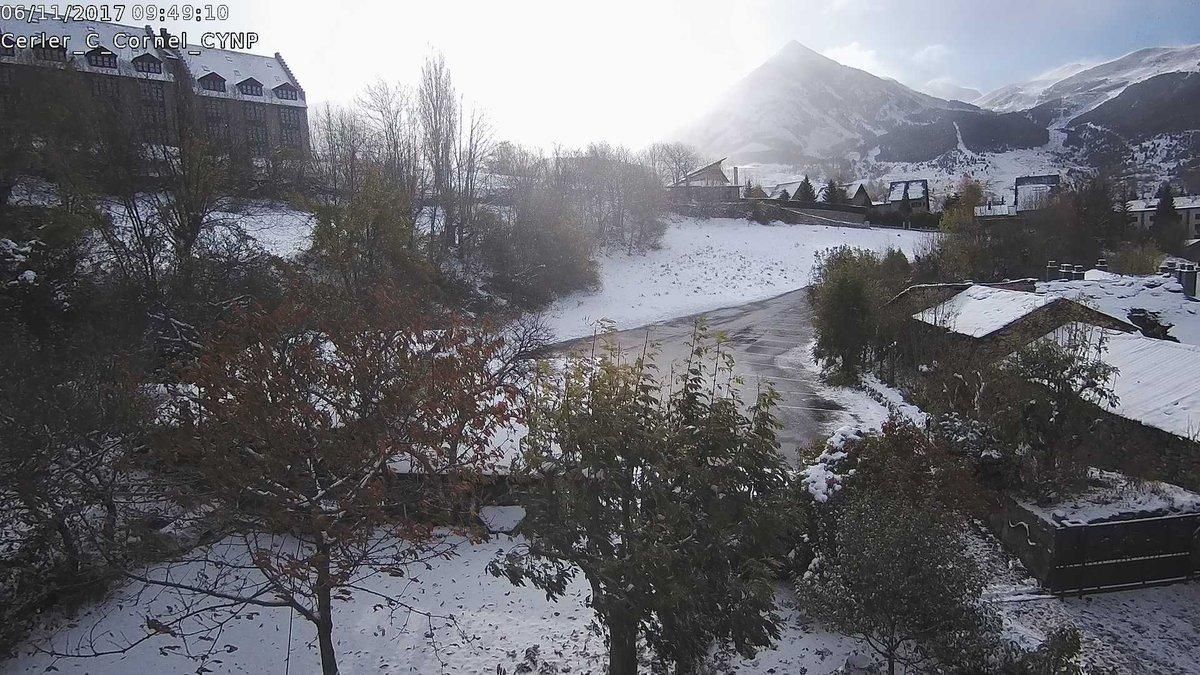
(287, 92)
(147, 64)
(101, 58)
(212, 82)
(58, 54)
(250, 87)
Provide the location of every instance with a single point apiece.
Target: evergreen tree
(905, 207)
(806, 193)
(834, 194)
(1168, 229)
(670, 503)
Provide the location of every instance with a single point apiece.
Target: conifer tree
(805, 192)
(1168, 228)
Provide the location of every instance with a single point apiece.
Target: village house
(1141, 211)
(991, 322)
(707, 184)
(249, 101)
(1031, 193)
(916, 192)
(855, 191)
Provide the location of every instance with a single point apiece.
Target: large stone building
(247, 101)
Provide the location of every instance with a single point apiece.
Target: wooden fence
(1090, 557)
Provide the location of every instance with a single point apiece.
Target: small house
(707, 184)
(1031, 193)
(915, 192)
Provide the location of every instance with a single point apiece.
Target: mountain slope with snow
(802, 105)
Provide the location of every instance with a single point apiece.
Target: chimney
(735, 176)
(1102, 264)
(1188, 280)
(1163, 269)
(1064, 272)
(1078, 273)
(1051, 270)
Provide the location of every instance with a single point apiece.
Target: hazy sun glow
(633, 71)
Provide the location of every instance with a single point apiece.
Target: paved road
(767, 338)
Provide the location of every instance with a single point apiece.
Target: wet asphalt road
(767, 339)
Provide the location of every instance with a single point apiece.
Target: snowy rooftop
(1157, 381)
(993, 210)
(980, 311)
(235, 67)
(1116, 294)
(79, 31)
(917, 189)
(1183, 202)
(1113, 496)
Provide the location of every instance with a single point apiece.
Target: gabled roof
(917, 189)
(238, 67)
(980, 311)
(706, 168)
(1157, 382)
(103, 34)
(1182, 202)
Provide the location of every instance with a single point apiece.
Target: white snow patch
(1116, 294)
(982, 310)
(708, 264)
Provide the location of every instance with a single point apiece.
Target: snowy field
(483, 623)
(709, 264)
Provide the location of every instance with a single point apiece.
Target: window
(102, 58)
(151, 90)
(214, 110)
(287, 91)
(8, 51)
(256, 137)
(50, 54)
(250, 87)
(5, 77)
(254, 113)
(147, 64)
(105, 87)
(291, 136)
(212, 82)
(290, 117)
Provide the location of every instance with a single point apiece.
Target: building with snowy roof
(1141, 211)
(992, 321)
(707, 184)
(247, 100)
(915, 192)
(1153, 424)
(1031, 193)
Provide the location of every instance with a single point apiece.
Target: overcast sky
(631, 71)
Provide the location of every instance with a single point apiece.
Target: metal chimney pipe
(1102, 264)
(1078, 275)
(1051, 270)
(1064, 272)
(1188, 280)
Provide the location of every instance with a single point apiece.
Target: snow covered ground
(494, 624)
(709, 264)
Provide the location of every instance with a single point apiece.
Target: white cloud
(932, 55)
(858, 56)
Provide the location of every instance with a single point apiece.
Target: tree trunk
(622, 647)
(325, 613)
